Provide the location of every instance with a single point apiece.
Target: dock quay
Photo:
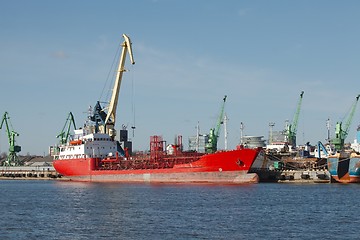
(307, 176)
(295, 176)
(24, 172)
(32, 167)
(280, 168)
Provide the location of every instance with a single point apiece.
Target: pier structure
(24, 172)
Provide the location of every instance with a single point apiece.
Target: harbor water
(51, 209)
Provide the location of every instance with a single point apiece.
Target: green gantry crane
(292, 128)
(340, 132)
(211, 145)
(12, 158)
(65, 132)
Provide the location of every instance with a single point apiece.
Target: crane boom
(351, 116)
(221, 117)
(4, 120)
(296, 117)
(126, 48)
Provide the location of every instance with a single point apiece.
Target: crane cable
(111, 71)
(133, 102)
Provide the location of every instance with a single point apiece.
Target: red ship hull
(223, 167)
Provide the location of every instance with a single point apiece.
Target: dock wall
(23, 172)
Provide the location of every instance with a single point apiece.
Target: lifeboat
(76, 142)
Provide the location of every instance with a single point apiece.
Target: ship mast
(197, 137)
(111, 114)
(225, 131)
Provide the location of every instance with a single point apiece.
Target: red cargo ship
(93, 154)
(96, 159)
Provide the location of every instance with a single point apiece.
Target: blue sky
(55, 57)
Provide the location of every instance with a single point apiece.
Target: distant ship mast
(241, 132)
(226, 119)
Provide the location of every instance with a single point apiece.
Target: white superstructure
(94, 145)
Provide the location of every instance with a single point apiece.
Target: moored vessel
(98, 159)
(94, 154)
(344, 166)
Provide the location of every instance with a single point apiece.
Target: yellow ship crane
(109, 122)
